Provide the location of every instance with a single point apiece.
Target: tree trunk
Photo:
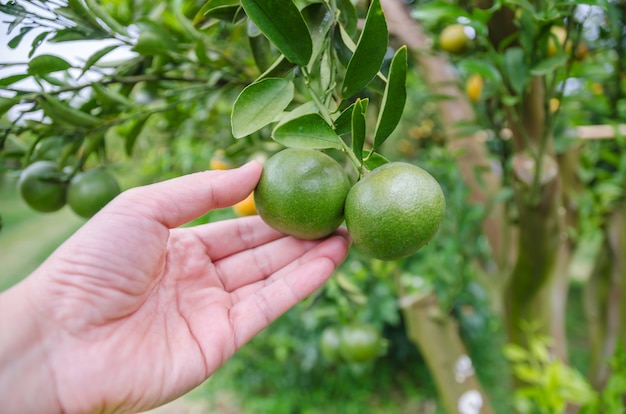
(604, 293)
(436, 335)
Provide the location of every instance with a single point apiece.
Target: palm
(150, 312)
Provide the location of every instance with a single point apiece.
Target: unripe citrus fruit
(330, 343)
(91, 190)
(360, 343)
(302, 193)
(41, 186)
(394, 210)
(245, 207)
(454, 39)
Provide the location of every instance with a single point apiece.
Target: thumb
(179, 200)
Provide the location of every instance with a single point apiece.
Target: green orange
(394, 210)
(360, 343)
(91, 190)
(302, 193)
(42, 186)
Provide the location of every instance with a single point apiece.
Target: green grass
(28, 237)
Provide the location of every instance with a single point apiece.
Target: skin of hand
(133, 310)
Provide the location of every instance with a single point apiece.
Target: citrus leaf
(37, 41)
(280, 67)
(153, 39)
(434, 12)
(319, 20)
(347, 16)
(374, 160)
(370, 52)
(394, 98)
(15, 41)
(307, 131)
(93, 59)
(9, 80)
(43, 64)
(484, 68)
(131, 136)
(284, 26)
(61, 112)
(7, 103)
(261, 48)
(225, 10)
(100, 12)
(358, 127)
(515, 67)
(549, 65)
(343, 123)
(260, 103)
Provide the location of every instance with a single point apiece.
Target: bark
(437, 336)
(604, 307)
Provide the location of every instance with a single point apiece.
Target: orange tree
(539, 63)
(229, 80)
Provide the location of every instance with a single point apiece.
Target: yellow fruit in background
(597, 88)
(554, 104)
(474, 87)
(219, 162)
(245, 207)
(556, 41)
(454, 39)
(394, 210)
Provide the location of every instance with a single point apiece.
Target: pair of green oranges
(390, 213)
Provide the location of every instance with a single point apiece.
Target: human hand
(133, 311)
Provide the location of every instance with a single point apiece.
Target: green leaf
(515, 353)
(515, 68)
(37, 41)
(43, 64)
(280, 67)
(101, 13)
(347, 16)
(343, 123)
(153, 39)
(307, 131)
(484, 68)
(369, 54)
(260, 103)
(131, 136)
(374, 160)
(69, 35)
(65, 114)
(9, 80)
(436, 12)
(549, 65)
(358, 127)
(394, 98)
(7, 103)
(225, 10)
(283, 24)
(94, 58)
(15, 41)
(319, 20)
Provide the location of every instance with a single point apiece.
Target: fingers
(264, 302)
(177, 201)
(258, 263)
(227, 237)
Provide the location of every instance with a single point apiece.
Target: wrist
(27, 382)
